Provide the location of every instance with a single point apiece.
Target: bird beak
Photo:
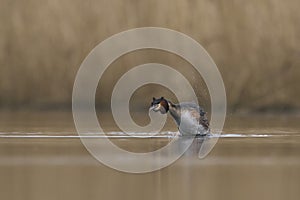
(151, 108)
(154, 108)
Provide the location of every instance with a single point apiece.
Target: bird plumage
(183, 111)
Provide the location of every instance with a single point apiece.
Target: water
(41, 157)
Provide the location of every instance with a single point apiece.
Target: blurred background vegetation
(254, 43)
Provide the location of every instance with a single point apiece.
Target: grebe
(192, 114)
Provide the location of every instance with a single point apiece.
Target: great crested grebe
(192, 114)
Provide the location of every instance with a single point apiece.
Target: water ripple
(166, 134)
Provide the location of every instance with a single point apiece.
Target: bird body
(189, 117)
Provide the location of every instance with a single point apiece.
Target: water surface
(41, 157)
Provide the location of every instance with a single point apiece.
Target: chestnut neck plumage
(174, 111)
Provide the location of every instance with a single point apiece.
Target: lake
(42, 157)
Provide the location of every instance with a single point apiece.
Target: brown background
(254, 43)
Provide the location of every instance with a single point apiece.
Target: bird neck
(174, 110)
